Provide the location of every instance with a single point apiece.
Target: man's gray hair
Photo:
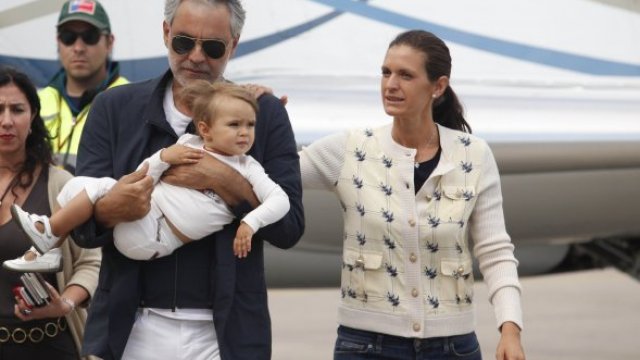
(235, 9)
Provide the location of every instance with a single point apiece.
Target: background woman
(414, 193)
(27, 178)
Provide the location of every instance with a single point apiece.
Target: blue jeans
(353, 344)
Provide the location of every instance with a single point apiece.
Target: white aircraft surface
(554, 86)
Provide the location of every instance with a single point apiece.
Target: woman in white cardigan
(414, 193)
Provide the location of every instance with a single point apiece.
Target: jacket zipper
(175, 284)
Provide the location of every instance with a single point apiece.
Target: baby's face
(233, 130)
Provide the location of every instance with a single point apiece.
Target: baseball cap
(88, 11)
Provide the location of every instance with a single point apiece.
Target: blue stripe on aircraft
(251, 46)
(559, 59)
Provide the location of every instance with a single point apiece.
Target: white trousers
(143, 239)
(155, 337)
(95, 188)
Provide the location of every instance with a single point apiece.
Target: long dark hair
(447, 110)
(37, 147)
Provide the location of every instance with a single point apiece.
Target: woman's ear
(441, 85)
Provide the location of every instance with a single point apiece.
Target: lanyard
(75, 121)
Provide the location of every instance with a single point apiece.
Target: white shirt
(176, 119)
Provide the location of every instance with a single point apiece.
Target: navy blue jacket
(126, 125)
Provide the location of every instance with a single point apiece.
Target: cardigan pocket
(455, 202)
(364, 259)
(361, 273)
(457, 282)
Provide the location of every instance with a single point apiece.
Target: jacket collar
(59, 81)
(154, 112)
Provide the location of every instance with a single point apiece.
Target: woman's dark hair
(447, 110)
(37, 147)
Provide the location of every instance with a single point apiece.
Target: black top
(13, 244)
(424, 169)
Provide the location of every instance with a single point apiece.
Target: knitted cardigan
(407, 255)
(79, 266)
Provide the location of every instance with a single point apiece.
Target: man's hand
(128, 200)
(211, 173)
(179, 154)
(198, 176)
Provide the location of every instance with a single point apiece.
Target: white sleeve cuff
(507, 306)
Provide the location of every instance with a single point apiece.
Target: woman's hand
(258, 90)
(55, 309)
(509, 347)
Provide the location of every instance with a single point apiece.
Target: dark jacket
(128, 124)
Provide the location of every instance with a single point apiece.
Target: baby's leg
(95, 188)
(46, 233)
(146, 238)
(76, 201)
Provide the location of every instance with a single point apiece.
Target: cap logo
(82, 6)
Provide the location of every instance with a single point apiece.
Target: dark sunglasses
(214, 48)
(89, 37)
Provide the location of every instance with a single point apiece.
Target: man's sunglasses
(89, 37)
(214, 48)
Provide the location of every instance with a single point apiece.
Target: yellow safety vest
(65, 129)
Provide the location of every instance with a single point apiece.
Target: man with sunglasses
(200, 302)
(84, 46)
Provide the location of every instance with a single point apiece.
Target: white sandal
(50, 261)
(42, 241)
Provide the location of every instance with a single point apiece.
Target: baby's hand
(242, 242)
(179, 154)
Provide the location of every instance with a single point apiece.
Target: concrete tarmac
(588, 315)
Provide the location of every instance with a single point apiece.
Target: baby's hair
(201, 97)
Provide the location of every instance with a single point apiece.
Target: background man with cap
(85, 42)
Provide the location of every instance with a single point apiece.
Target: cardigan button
(415, 292)
(412, 222)
(416, 327)
(413, 258)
